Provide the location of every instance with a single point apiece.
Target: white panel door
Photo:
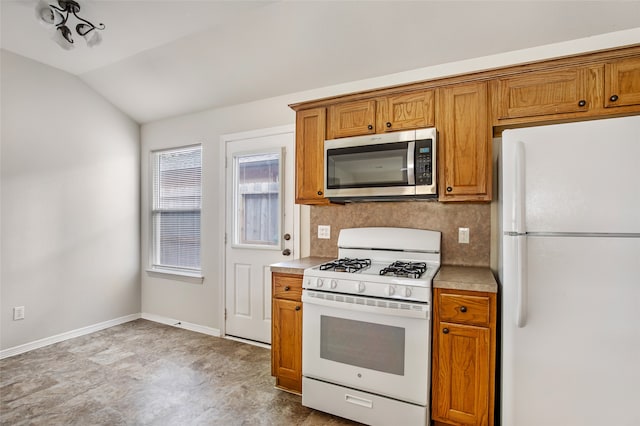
(259, 229)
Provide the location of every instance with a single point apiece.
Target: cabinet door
(405, 111)
(464, 142)
(622, 83)
(461, 374)
(351, 119)
(543, 93)
(286, 344)
(310, 132)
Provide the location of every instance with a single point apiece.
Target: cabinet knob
(449, 189)
(297, 308)
(388, 124)
(463, 309)
(287, 288)
(445, 330)
(613, 98)
(370, 127)
(319, 192)
(582, 103)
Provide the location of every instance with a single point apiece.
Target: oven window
(362, 344)
(357, 167)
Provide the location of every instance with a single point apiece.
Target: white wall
(69, 204)
(200, 303)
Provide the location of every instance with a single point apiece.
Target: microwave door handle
(411, 175)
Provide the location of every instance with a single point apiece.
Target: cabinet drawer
(464, 309)
(287, 286)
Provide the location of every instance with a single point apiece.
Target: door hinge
(225, 238)
(225, 314)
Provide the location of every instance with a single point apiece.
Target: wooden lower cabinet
(286, 331)
(464, 351)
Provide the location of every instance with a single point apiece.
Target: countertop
(298, 266)
(471, 278)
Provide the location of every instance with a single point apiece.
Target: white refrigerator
(570, 274)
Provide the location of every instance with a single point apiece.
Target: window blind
(177, 191)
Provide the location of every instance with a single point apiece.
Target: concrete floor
(145, 373)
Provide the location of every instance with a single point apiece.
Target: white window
(177, 190)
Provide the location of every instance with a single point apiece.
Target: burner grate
(405, 269)
(346, 265)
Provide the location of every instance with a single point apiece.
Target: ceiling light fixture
(50, 14)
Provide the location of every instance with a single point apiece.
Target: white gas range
(366, 326)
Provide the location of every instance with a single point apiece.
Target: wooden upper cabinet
(351, 119)
(622, 83)
(310, 135)
(405, 111)
(464, 143)
(569, 90)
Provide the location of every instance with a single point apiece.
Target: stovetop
(390, 263)
(374, 279)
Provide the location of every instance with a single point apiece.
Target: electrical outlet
(18, 313)
(463, 235)
(324, 232)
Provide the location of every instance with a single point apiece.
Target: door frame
(222, 210)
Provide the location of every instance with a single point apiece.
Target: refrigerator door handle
(518, 207)
(521, 281)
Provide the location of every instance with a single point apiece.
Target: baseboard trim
(181, 324)
(16, 350)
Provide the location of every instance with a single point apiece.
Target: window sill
(189, 277)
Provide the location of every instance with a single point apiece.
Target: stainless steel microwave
(382, 166)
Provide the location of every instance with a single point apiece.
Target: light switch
(463, 235)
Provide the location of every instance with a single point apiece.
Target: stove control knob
(390, 290)
(360, 287)
(406, 292)
(334, 284)
(320, 282)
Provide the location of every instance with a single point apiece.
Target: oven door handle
(384, 307)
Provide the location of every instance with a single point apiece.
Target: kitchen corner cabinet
(464, 140)
(464, 357)
(622, 83)
(403, 111)
(310, 136)
(286, 331)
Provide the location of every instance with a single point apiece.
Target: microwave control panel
(424, 162)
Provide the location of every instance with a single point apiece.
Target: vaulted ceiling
(164, 58)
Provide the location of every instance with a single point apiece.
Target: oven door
(374, 345)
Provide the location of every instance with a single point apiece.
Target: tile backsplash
(443, 217)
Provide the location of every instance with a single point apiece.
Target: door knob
(286, 252)
(287, 237)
